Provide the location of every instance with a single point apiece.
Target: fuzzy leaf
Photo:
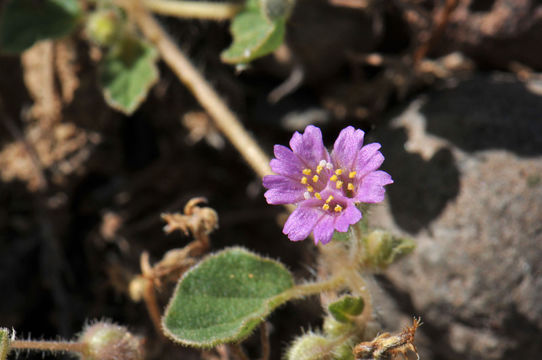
(256, 32)
(127, 73)
(4, 343)
(24, 22)
(347, 307)
(224, 297)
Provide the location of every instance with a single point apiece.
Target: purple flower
(325, 187)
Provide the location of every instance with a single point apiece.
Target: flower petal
(309, 146)
(282, 190)
(371, 189)
(301, 222)
(346, 147)
(349, 216)
(369, 159)
(323, 231)
(286, 162)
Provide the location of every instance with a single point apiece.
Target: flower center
(315, 180)
(342, 177)
(332, 205)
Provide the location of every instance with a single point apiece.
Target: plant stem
(357, 284)
(238, 351)
(54, 346)
(264, 340)
(151, 303)
(355, 279)
(224, 118)
(300, 291)
(193, 9)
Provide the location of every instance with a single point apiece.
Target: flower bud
(103, 27)
(382, 248)
(308, 347)
(335, 328)
(106, 341)
(343, 352)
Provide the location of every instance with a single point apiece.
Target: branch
(223, 117)
(193, 9)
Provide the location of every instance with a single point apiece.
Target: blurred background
(451, 89)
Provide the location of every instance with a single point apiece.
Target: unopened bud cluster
(107, 341)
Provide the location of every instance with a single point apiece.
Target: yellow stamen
(319, 169)
(339, 184)
(333, 178)
(329, 198)
(304, 180)
(338, 208)
(310, 188)
(315, 178)
(350, 187)
(352, 174)
(318, 196)
(325, 207)
(307, 171)
(339, 171)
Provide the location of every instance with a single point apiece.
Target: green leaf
(24, 22)
(256, 32)
(4, 343)
(224, 297)
(382, 248)
(347, 307)
(127, 73)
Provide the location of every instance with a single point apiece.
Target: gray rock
(467, 165)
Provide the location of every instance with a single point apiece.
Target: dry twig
(224, 118)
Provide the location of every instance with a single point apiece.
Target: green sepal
(25, 22)
(382, 248)
(334, 328)
(346, 308)
(224, 297)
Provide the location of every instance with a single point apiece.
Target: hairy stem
(193, 9)
(300, 291)
(355, 279)
(223, 117)
(54, 346)
(357, 284)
